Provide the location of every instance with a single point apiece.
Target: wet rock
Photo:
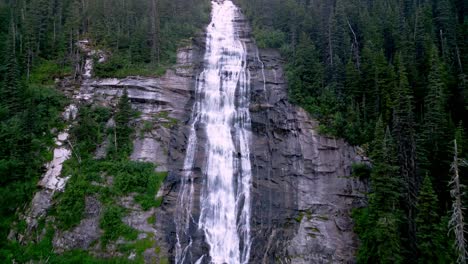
(301, 193)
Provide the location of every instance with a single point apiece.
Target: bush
(139, 177)
(46, 71)
(361, 171)
(118, 66)
(113, 227)
(269, 38)
(71, 204)
(90, 130)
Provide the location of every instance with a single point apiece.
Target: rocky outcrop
(85, 234)
(163, 104)
(302, 192)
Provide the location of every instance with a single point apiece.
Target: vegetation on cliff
(391, 77)
(39, 44)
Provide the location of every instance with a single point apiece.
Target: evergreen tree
(307, 76)
(385, 176)
(403, 128)
(430, 237)
(11, 92)
(382, 244)
(124, 111)
(434, 154)
(402, 61)
(122, 143)
(352, 81)
(435, 114)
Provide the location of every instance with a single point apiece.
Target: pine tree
(352, 81)
(445, 24)
(403, 128)
(430, 238)
(124, 109)
(385, 178)
(11, 92)
(305, 74)
(308, 67)
(382, 243)
(122, 128)
(435, 116)
(378, 85)
(338, 42)
(433, 154)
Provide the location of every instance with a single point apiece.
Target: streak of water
(222, 106)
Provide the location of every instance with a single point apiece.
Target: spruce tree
(122, 128)
(435, 114)
(433, 153)
(124, 110)
(404, 131)
(352, 81)
(11, 92)
(382, 244)
(430, 237)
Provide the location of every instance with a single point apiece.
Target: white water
(222, 108)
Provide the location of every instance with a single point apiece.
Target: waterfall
(221, 108)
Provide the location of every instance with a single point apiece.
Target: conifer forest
(389, 77)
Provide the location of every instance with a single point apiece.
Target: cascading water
(222, 109)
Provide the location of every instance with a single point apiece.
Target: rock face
(301, 191)
(302, 195)
(83, 235)
(164, 105)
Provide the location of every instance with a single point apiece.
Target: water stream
(221, 108)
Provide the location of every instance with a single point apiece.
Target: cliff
(302, 192)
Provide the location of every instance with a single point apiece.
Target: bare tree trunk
(355, 47)
(456, 221)
(442, 42)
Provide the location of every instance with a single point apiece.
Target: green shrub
(361, 171)
(132, 176)
(42, 252)
(151, 220)
(90, 131)
(139, 177)
(138, 246)
(46, 71)
(113, 227)
(71, 204)
(269, 38)
(119, 66)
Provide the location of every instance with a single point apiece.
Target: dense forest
(389, 76)
(39, 45)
